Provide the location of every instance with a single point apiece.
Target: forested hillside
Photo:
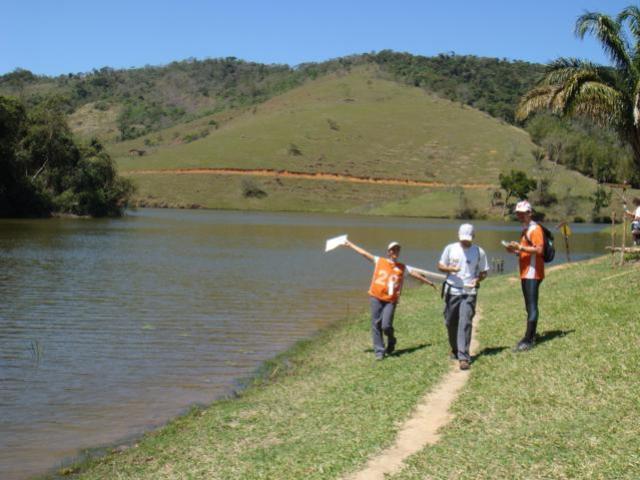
(117, 105)
(155, 97)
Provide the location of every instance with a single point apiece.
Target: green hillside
(357, 124)
(150, 98)
(386, 115)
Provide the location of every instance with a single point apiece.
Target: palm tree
(608, 96)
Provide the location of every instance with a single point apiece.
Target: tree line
(44, 170)
(152, 98)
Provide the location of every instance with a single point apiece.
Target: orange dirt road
(304, 175)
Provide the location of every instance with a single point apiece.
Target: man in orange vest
(384, 292)
(531, 261)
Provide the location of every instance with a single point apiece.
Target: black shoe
(523, 347)
(391, 347)
(464, 365)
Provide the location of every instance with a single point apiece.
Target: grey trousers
(458, 317)
(382, 323)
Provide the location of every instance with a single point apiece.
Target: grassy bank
(567, 409)
(319, 411)
(298, 195)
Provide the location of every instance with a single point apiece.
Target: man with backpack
(531, 253)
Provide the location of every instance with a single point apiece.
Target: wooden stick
(624, 236)
(566, 246)
(613, 238)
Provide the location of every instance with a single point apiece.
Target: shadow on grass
(551, 334)
(404, 351)
(488, 352)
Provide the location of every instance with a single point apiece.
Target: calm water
(111, 327)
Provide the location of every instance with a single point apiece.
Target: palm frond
(582, 94)
(610, 35)
(571, 88)
(601, 104)
(536, 100)
(631, 15)
(563, 69)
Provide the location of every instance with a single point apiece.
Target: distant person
(466, 266)
(531, 262)
(384, 293)
(635, 224)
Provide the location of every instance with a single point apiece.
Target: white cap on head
(465, 232)
(393, 244)
(523, 206)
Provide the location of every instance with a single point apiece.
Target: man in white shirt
(635, 224)
(466, 266)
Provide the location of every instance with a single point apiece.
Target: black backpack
(548, 250)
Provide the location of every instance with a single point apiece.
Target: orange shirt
(386, 283)
(532, 264)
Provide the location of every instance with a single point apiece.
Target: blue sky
(62, 36)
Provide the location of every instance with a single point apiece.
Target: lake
(109, 328)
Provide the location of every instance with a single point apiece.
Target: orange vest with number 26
(387, 280)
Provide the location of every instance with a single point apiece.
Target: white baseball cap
(523, 206)
(392, 245)
(465, 232)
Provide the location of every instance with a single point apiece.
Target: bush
(251, 189)
(294, 150)
(333, 125)
(94, 188)
(464, 210)
(192, 137)
(542, 195)
(101, 106)
(44, 170)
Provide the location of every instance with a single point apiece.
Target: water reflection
(108, 327)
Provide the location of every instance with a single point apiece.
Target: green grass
(357, 124)
(567, 409)
(289, 194)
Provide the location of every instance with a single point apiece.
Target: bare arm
(359, 250)
(533, 249)
(446, 269)
(480, 278)
(423, 279)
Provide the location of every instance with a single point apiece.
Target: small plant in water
(36, 352)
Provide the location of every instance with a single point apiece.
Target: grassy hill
(357, 123)
(387, 115)
(155, 97)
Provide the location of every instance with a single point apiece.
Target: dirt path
(303, 175)
(423, 427)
